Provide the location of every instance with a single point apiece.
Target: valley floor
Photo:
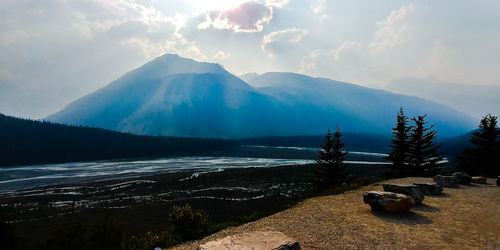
(463, 218)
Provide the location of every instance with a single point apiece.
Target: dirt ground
(463, 218)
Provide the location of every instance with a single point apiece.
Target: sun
(201, 6)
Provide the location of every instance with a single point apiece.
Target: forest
(26, 142)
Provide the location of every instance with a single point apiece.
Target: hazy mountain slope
(476, 101)
(248, 76)
(203, 101)
(355, 107)
(181, 97)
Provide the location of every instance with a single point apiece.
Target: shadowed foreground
(462, 218)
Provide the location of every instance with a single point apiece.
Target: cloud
(74, 47)
(391, 31)
(342, 63)
(221, 55)
(248, 17)
(279, 41)
(318, 6)
(277, 3)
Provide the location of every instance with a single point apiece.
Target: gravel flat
(463, 218)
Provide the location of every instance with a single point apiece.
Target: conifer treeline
(330, 170)
(414, 152)
(34, 142)
(483, 158)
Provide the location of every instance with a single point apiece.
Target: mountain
(354, 107)
(248, 76)
(34, 142)
(474, 100)
(175, 96)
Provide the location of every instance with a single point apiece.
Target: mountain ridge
(176, 96)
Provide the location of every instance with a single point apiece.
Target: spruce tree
(423, 156)
(400, 145)
(486, 151)
(330, 169)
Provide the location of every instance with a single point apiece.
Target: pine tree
(331, 168)
(423, 156)
(486, 149)
(400, 145)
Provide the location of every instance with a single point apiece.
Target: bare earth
(464, 218)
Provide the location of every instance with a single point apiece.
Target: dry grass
(464, 218)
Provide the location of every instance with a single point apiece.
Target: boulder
(478, 179)
(446, 181)
(429, 188)
(463, 178)
(253, 240)
(498, 180)
(411, 190)
(289, 246)
(388, 201)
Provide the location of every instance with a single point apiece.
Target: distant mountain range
(474, 100)
(175, 96)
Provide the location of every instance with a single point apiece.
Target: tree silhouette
(423, 156)
(400, 145)
(331, 168)
(486, 150)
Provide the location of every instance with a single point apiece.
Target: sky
(55, 51)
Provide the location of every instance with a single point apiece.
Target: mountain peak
(170, 64)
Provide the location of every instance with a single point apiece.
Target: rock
(411, 190)
(429, 188)
(463, 178)
(388, 201)
(254, 240)
(446, 181)
(498, 180)
(478, 179)
(289, 246)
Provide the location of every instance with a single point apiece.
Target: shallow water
(16, 178)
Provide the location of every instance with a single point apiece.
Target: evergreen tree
(331, 168)
(423, 156)
(486, 151)
(400, 145)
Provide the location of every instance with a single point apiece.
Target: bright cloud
(248, 17)
(278, 41)
(391, 30)
(221, 55)
(277, 3)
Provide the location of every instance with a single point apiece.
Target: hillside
(354, 107)
(175, 96)
(474, 100)
(345, 222)
(34, 142)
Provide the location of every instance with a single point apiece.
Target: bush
(151, 240)
(188, 224)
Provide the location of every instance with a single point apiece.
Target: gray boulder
(446, 181)
(411, 190)
(478, 179)
(463, 178)
(429, 188)
(388, 201)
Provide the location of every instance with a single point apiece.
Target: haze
(53, 52)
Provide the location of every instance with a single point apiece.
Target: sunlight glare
(202, 6)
